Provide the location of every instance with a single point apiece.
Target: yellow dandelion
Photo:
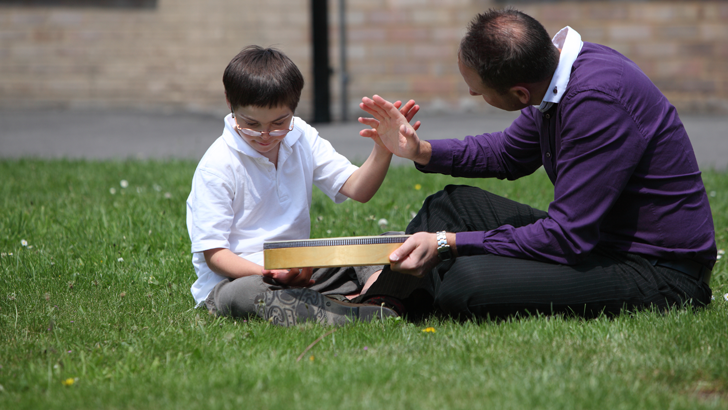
(311, 358)
(429, 330)
(418, 187)
(68, 382)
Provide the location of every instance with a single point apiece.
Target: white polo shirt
(240, 200)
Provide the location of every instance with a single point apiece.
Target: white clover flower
(156, 187)
(382, 223)
(713, 194)
(328, 231)
(112, 191)
(167, 195)
(124, 183)
(24, 242)
(120, 260)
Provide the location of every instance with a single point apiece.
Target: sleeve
(510, 154)
(331, 169)
(601, 146)
(210, 210)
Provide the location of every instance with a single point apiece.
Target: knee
(238, 298)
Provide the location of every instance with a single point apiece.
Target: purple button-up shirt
(624, 172)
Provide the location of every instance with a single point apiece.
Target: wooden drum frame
(331, 252)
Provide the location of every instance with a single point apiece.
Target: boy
(254, 184)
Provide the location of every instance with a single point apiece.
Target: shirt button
(548, 155)
(547, 116)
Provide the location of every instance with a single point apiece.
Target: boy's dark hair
(507, 47)
(262, 77)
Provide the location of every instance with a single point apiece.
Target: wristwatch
(443, 249)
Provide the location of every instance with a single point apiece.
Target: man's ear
(522, 93)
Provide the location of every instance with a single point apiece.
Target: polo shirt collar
(569, 41)
(236, 142)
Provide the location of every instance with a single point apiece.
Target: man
(630, 226)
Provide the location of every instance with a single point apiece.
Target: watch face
(445, 253)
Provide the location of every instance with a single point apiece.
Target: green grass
(101, 296)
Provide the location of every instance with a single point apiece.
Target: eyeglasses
(273, 133)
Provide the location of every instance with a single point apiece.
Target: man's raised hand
(391, 125)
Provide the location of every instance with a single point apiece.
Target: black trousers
(494, 286)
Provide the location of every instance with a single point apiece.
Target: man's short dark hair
(508, 47)
(262, 77)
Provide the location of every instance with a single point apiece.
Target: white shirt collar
(569, 41)
(236, 142)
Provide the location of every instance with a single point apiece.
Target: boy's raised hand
(296, 277)
(390, 125)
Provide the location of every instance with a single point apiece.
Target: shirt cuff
(201, 246)
(441, 159)
(470, 243)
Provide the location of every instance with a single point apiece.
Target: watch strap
(443, 249)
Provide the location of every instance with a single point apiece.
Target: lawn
(95, 312)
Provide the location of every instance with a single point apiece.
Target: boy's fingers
(381, 104)
(373, 108)
(302, 281)
(377, 114)
(416, 126)
(369, 121)
(370, 133)
(386, 106)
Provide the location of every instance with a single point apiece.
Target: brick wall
(681, 45)
(172, 57)
(407, 48)
(169, 58)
